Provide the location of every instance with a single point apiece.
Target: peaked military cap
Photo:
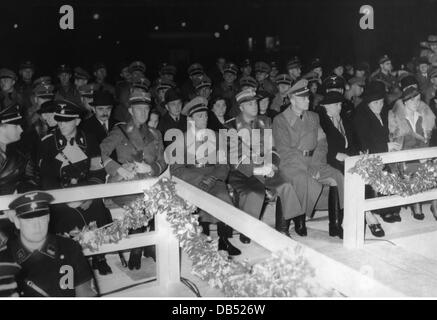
(231, 68)
(248, 81)
(42, 80)
(201, 82)
(334, 82)
(167, 69)
(26, 65)
(262, 66)
(140, 99)
(283, 79)
(47, 107)
(245, 63)
(11, 115)
(262, 94)
(315, 63)
(44, 91)
(300, 88)
(67, 110)
(383, 59)
(80, 73)
(245, 96)
(137, 66)
(32, 204)
(331, 98)
(432, 39)
(162, 83)
(63, 68)
(99, 65)
(197, 104)
(142, 83)
(195, 69)
(87, 90)
(293, 63)
(7, 73)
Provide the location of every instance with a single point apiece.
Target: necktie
(105, 125)
(301, 116)
(71, 141)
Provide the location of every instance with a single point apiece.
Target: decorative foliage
(285, 274)
(371, 169)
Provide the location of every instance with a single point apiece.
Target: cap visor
(60, 118)
(34, 214)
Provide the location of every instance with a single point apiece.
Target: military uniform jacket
(8, 271)
(238, 123)
(280, 103)
(299, 135)
(140, 144)
(57, 171)
(42, 271)
(17, 171)
(194, 173)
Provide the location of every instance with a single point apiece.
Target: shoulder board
(46, 136)
(119, 124)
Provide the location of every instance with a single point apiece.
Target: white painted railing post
(167, 254)
(353, 221)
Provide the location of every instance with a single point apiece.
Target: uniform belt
(307, 153)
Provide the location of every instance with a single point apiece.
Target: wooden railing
(329, 272)
(355, 205)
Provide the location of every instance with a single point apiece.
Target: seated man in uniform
(49, 265)
(251, 178)
(210, 177)
(140, 153)
(303, 148)
(71, 158)
(17, 167)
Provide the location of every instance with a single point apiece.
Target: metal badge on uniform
(21, 255)
(51, 250)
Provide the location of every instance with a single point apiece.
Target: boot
(335, 213)
(223, 232)
(135, 259)
(300, 225)
(99, 263)
(244, 239)
(281, 224)
(416, 210)
(150, 251)
(434, 208)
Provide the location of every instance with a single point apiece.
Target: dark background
(308, 28)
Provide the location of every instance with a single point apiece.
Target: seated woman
(264, 101)
(371, 124)
(217, 112)
(411, 122)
